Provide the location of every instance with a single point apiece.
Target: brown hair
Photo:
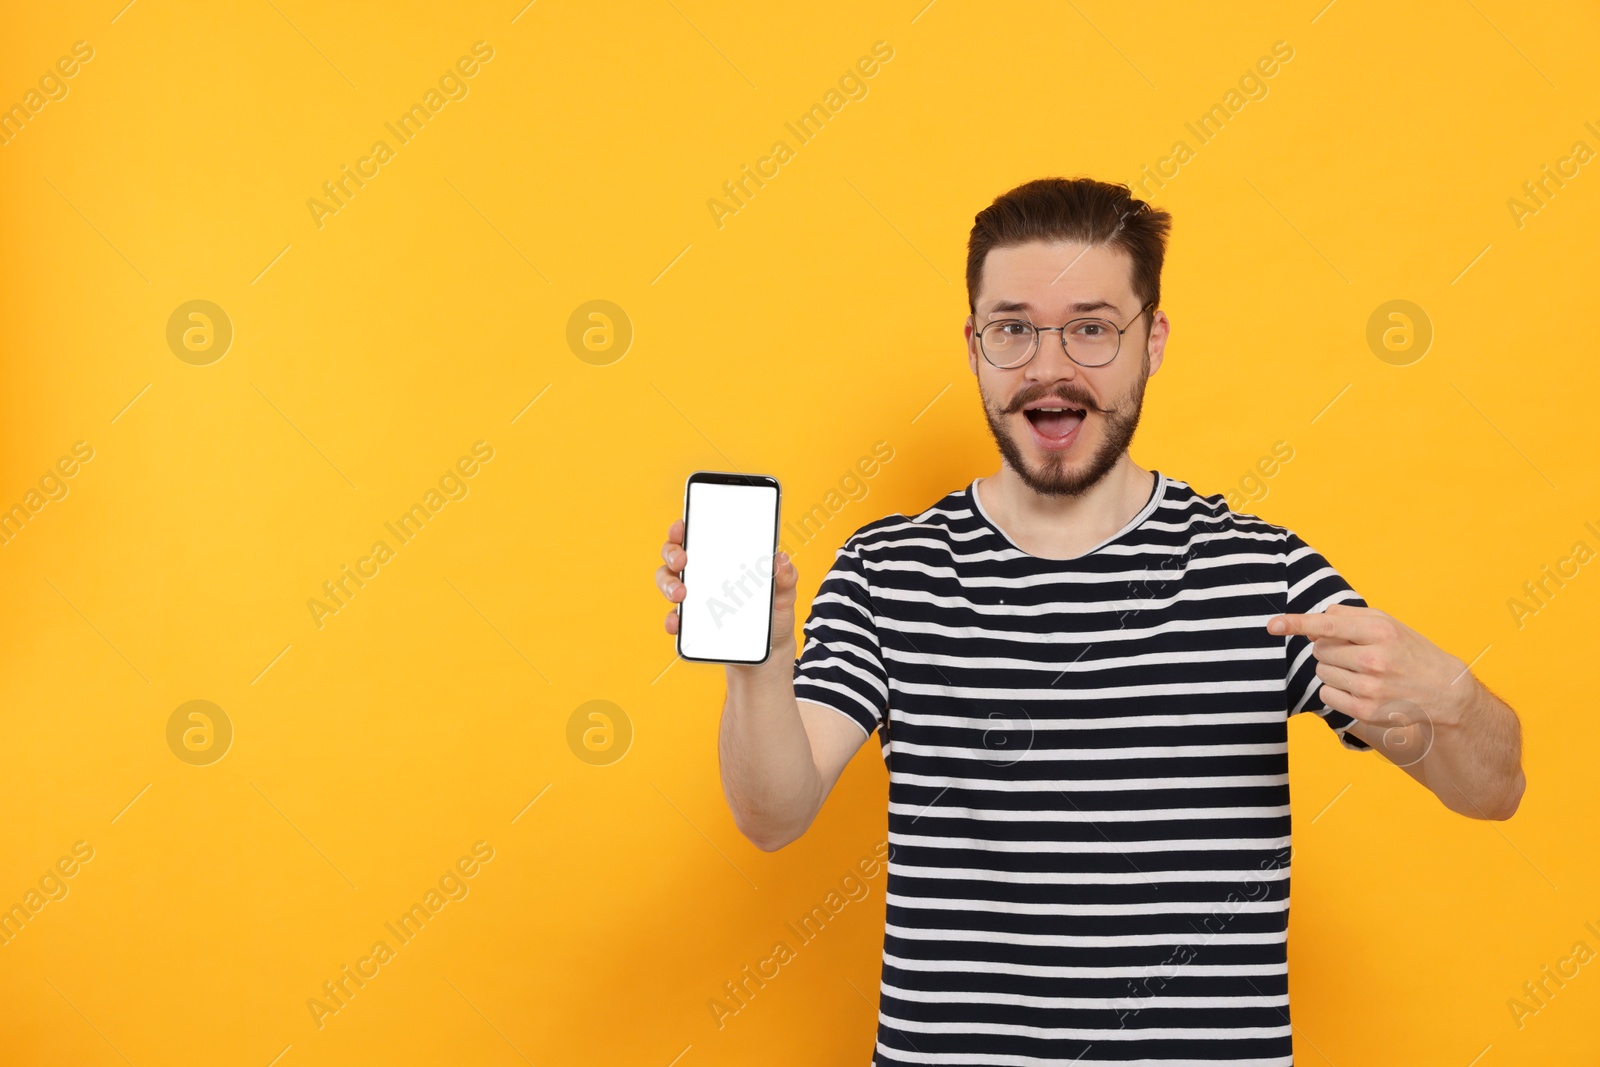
(1073, 209)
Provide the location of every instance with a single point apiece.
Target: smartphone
(730, 535)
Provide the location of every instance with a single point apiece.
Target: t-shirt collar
(1157, 493)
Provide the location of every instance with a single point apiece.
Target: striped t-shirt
(1088, 778)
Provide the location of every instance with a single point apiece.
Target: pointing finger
(1315, 625)
(1362, 628)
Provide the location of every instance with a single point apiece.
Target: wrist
(778, 664)
(1466, 708)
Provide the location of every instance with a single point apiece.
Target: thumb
(783, 598)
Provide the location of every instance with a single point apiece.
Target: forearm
(1474, 764)
(769, 773)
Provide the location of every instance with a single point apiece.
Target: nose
(1051, 360)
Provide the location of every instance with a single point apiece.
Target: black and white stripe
(1088, 778)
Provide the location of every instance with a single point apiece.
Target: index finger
(1353, 628)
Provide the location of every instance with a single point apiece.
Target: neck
(1063, 527)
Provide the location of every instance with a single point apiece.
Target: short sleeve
(841, 663)
(1313, 585)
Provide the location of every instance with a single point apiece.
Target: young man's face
(1049, 284)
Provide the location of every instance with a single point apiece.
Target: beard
(1054, 477)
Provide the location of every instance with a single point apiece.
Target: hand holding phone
(735, 598)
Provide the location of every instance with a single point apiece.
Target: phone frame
(749, 480)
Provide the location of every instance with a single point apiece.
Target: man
(1081, 672)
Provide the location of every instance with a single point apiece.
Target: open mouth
(1055, 423)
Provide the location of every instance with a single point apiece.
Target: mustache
(1067, 398)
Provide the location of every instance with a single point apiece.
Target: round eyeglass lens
(1006, 342)
(1093, 342)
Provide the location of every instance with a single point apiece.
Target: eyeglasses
(1094, 342)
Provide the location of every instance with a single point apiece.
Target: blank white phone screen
(728, 577)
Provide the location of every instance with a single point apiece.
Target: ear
(1159, 327)
(972, 345)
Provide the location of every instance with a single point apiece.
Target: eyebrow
(1081, 307)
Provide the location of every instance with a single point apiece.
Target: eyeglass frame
(1037, 330)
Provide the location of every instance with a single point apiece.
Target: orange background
(432, 710)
